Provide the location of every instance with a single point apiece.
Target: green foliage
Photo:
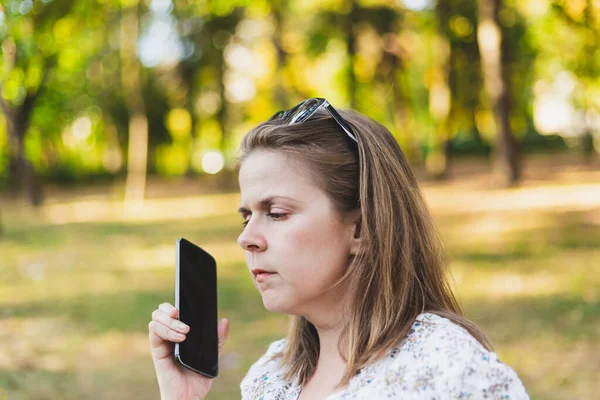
(239, 61)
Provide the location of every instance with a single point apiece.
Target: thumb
(223, 331)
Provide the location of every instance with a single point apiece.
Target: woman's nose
(251, 239)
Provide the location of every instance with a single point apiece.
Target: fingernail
(181, 326)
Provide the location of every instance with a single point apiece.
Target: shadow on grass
(127, 379)
(564, 231)
(566, 318)
(47, 384)
(206, 229)
(569, 317)
(131, 311)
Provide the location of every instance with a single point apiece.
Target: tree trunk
(194, 125)
(137, 158)
(589, 140)
(222, 117)
(21, 172)
(496, 82)
(351, 23)
(440, 95)
(280, 94)
(391, 69)
(440, 102)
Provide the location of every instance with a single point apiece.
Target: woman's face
(294, 232)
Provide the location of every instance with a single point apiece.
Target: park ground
(80, 277)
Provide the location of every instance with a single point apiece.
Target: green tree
(26, 66)
(208, 29)
(497, 87)
(49, 70)
(576, 50)
(131, 82)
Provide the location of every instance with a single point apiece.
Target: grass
(77, 288)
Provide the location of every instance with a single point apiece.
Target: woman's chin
(275, 305)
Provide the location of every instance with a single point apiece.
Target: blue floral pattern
(437, 360)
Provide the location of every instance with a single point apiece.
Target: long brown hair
(399, 271)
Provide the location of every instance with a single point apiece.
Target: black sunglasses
(307, 109)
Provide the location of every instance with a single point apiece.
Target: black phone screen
(196, 300)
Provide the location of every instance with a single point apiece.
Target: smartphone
(196, 300)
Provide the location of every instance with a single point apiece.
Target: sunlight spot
(489, 36)
(574, 197)
(213, 162)
(163, 209)
(112, 159)
(160, 44)
(208, 103)
(161, 6)
(82, 128)
(35, 271)
(506, 284)
(25, 7)
(239, 88)
(416, 5)
(238, 57)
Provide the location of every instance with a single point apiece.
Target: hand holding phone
(196, 300)
(176, 381)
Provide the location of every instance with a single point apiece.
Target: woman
(338, 234)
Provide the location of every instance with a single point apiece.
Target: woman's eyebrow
(267, 202)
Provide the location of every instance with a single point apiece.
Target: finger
(159, 347)
(223, 332)
(162, 317)
(169, 310)
(163, 332)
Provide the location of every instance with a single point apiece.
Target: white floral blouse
(437, 360)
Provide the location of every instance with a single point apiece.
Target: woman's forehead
(270, 168)
(269, 175)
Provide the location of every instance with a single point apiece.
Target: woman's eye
(246, 217)
(276, 216)
(273, 216)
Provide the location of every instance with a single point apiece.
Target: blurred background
(119, 125)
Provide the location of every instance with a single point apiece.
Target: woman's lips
(263, 276)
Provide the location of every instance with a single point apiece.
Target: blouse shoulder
(265, 376)
(444, 359)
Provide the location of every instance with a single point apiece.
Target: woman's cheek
(303, 233)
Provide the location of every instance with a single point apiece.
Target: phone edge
(177, 249)
(195, 370)
(177, 273)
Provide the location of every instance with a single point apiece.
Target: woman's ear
(355, 239)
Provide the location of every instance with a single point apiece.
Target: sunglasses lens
(307, 109)
(303, 111)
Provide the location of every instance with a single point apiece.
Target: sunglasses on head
(307, 109)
